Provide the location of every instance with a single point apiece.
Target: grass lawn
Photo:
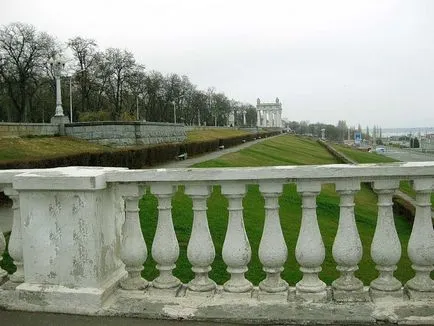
(363, 157)
(27, 148)
(281, 150)
(209, 134)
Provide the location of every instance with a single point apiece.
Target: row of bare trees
(103, 84)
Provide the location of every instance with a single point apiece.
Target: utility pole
(70, 98)
(137, 108)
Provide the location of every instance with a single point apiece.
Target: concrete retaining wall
(127, 133)
(28, 129)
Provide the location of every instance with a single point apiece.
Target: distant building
(269, 114)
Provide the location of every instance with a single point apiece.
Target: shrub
(94, 116)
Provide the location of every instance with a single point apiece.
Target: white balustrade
(200, 249)
(421, 244)
(133, 251)
(385, 248)
(165, 247)
(236, 247)
(347, 247)
(71, 243)
(15, 241)
(310, 251)
(273, 251)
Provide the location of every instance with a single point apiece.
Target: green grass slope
(282, 150)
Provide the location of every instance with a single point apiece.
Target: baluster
(165, 248)
(3, 273)
(200, 249)
(133, 250)
(347, 247)
(236, 247)
(310, 251)
(273, 251)
(385, 248)
(421, 244)
(15, 247)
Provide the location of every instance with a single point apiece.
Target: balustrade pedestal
(71, 238)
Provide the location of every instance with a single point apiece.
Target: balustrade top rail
(366, 172)
(56, 178)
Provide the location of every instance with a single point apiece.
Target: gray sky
(368, 62)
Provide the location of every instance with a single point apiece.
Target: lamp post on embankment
(57, 64)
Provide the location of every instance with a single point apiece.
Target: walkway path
(22, 318)
(208, 156)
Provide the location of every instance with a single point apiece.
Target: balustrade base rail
(254, 307)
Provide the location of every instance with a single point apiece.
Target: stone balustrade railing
(78, 247)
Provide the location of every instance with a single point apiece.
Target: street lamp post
(70, 98)
(137, 108)
(57, 65)
(174, 111)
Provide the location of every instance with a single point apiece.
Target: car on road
(378, 149)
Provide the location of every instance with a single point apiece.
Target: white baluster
(200, 249)
(15, 247)
(3, 273)
(385, 248)
(236, 247)
(273, 251)
(347, 247)
(165, 247)
(310, 251)
(133, 250)
(421, 244)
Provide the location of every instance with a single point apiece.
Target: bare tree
(24, 53)
(118, 65)
(86, 56)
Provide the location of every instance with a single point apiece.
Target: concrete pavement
(408, 155)
(20, 318)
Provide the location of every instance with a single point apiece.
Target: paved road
(407, 155)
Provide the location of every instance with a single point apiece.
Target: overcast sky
(367, 62)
